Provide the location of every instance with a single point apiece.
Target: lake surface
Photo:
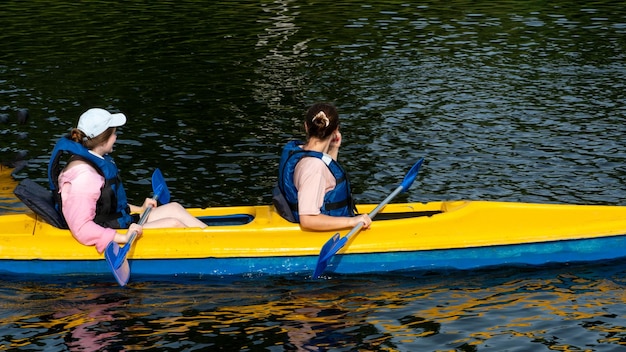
(506, 100)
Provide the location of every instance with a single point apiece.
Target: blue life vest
(337, 202)
(112, 208)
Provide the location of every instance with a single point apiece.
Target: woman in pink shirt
(83, 193)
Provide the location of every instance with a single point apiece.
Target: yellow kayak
(408, 236)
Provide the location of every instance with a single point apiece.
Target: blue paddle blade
(336, 248)
(120, 253)
(159, 187)
(121, 273)
(322, 259)
(411, 175)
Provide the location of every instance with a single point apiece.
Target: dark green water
(506, 100)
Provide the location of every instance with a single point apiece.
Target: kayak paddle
(116, 256)
(335, 243)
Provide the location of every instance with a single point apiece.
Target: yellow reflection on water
(9, 203)
(474, 313)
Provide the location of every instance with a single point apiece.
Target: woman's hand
(335, 142)
(364, 218)
(124, 238)
(149, 202)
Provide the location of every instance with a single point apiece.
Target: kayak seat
(406, 215)
(40, 201)
(227, 220)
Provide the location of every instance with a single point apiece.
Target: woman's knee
(173, 207)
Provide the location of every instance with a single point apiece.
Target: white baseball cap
(95, 121)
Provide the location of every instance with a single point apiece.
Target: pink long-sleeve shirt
(80, 189)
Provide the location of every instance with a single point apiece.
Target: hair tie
(322, 116)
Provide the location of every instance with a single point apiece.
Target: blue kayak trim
(568, 251)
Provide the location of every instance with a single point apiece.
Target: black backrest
(39, 200)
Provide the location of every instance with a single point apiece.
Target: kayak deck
(248, 239)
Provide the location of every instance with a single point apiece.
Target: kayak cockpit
(227, 220)
(406, 215)
(246, 218)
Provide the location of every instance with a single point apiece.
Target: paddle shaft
(142, 220)
(124, 251)
(373, 213)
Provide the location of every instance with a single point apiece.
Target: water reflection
(521, 308)
(280, 84)
(93, 325)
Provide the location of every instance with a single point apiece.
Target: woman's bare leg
(172, 215)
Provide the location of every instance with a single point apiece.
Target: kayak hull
(460, 258)
(255, 240)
